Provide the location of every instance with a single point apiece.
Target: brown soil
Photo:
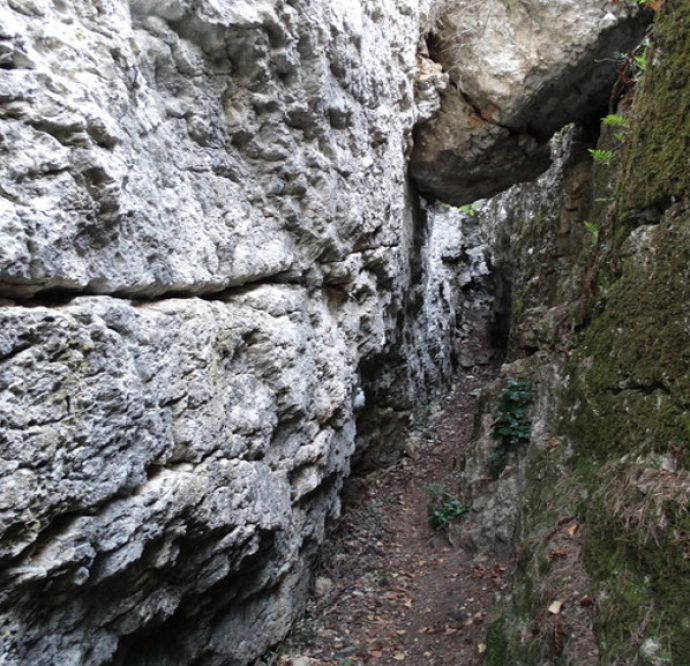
(389, 588)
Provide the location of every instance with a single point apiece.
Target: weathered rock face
(159, 461)
(211, 265)
(536, 241)
(454, 297)
(599, 325)
(161, 148)
(519, 71)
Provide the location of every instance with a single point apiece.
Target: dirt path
(389, 589)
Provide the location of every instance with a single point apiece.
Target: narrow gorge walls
(597, 252)
(218, 288)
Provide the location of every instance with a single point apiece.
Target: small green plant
(512, 426)
(447, 512)
(618, 122)
(470, 209)
(614, 120)
(444, 505)
(593, 230)
(511, 423)
(642, 58)
(604, 157)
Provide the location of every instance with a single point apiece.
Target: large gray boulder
(519, 71)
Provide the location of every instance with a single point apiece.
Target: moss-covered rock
(613, 494)
(637, 550)
(627, 410)
(632, 371)
(657, 163)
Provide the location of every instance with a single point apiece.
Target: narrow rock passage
(389, 588)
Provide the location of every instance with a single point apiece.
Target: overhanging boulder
(519, 71)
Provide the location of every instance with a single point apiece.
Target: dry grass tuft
(648, 501)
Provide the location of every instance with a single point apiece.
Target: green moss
(523, 633)
(498, 646)
(656, 164)
(623, 611)
(632, 372)
(629, 398)
(626, 404)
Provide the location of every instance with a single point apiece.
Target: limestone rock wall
(154, 147)
(538, 248)
(218, 288)
(212, 266)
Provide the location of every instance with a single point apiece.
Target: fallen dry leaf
(572, 529)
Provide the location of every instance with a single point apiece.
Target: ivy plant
(512, 426)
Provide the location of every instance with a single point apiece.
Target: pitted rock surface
(183, 147)
(212, 267)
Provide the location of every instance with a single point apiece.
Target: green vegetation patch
(627, 410)
(445, 505)
(512, 426)
(638, 548)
